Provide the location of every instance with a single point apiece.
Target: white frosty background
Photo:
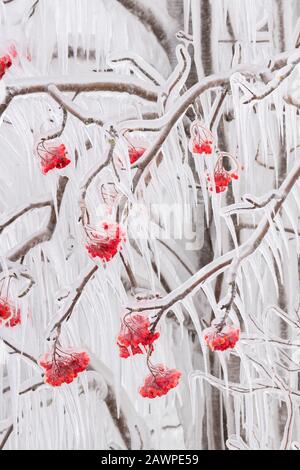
(74, 41)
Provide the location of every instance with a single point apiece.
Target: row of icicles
(201, 143)
(137, 335)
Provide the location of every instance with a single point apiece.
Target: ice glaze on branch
(92, 174)
(102, 82)
(276, 82)
(73, 299)
(68, 105)
(233, 258)
(139, 66)
(46, 233)
(149, 19)
(23, 210)
(18, 351)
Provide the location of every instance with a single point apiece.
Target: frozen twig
(233, 258)
(18, 351)
(138, 65)
(92, 174)
(276, 82)
(23, 210)
(251, 202)
(74, 298)
(99, 82)
(131, 427)
(61, 128)
(149, 20)
(69, 105)
(29, 285)
(179, 76)
(258, 385)
(6, 436)
(46, 233)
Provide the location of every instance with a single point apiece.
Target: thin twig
(6, 436)
(24, 210)
(18, 351)
(45, 234)
(66, 315)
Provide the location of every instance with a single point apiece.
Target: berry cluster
(135, 153)
(106, 242)
(137, 336)
(159, 381)
(135, 332)
(222, 177)
(201, 139)
(10, 316)
(52, 157)
(220, 340)
(63, 366)
(204, 147)
(5, 64)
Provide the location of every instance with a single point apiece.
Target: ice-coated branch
(18, 351)
(9, 219)
(233, 258)
(178, 77)
(288, 429)
(289, 99)
(149, 20)
(138, 65)
(75, 295)
(218, 108)
(6, 436)
(60, 129)
(256, 386)
(130, 425)
(277, 80)
(95, 82)
(92, 174)
(170, 119)
(247, 226)
(68, 105)
(73, 298)
(251, 202)
(29, 286)
(46, 233)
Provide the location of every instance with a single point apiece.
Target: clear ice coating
(97, 102)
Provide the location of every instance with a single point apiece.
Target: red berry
(10, 316)
(160, 381)
(222, 179)
(106, 243)
(135, 153)
(204, 147)
(63, 366)
(5, 64)
(52, 157)
(135, 332)
(221, 340)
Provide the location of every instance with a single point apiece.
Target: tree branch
(6, 436)
(68, 105)
(45, 234)
(233, 258)
(73, 299)
(149, 20)
(106, 82)
(18, 351)
(23, 210)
